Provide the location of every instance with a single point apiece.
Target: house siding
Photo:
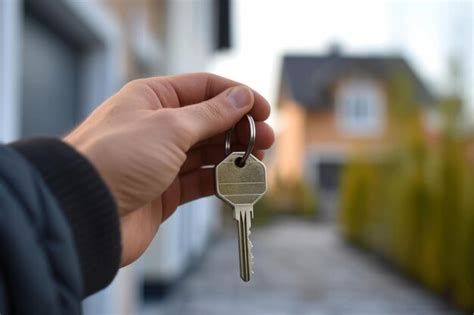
(291, 142)
(321, 129)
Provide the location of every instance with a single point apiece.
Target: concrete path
(301, 268)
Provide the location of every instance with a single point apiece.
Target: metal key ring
(251, 144)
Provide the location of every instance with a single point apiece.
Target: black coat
(59, 229)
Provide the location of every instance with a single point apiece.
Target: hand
(150, 140)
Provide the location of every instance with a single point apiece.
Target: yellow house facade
(330, 107)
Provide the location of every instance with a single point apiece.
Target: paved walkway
(301, 268)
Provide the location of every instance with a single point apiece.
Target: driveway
(301, 268)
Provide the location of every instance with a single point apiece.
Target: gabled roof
(308, 79)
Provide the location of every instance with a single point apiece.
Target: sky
(426, 33)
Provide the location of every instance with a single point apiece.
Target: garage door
(49, 81)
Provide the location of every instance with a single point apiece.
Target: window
(360, 107)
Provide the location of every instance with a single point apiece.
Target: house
(60, 59)
(329, 105)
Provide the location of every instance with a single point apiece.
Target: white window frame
(360, 108)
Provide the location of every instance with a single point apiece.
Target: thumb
(218, 114)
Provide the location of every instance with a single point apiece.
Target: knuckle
(134, 84)
(205, 75)
(210, 76)
(214, 111)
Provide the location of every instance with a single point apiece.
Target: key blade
(243, 217)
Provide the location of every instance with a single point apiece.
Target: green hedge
(294, 197)
(414, 205)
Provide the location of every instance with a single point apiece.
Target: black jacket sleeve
(59, 229)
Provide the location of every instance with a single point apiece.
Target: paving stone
(301, 268)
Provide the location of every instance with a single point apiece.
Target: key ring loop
(251, 144)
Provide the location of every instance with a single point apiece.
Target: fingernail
(239, 96)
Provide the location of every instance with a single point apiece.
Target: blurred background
(370, 208)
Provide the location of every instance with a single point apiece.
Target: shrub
(415, 204)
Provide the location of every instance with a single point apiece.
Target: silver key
(241, 187)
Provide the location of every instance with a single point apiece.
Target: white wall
(188, 48)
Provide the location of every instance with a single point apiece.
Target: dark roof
(308, 79)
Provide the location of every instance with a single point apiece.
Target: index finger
(192, 88)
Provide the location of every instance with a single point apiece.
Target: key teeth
(250, 256)
(250, 247)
